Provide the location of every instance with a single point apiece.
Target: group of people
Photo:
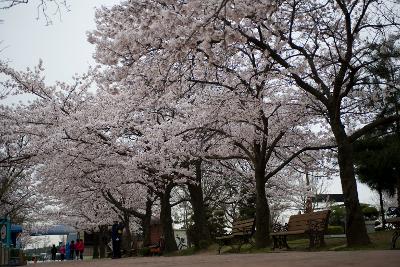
(70, 251)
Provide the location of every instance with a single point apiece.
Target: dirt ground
(387, 258)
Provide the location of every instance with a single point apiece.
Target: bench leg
(275, 242)
(312, 240)
(284, 241)
(280, 242)
(395, 236)
(316, 239)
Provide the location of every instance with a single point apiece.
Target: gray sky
(64, 49)
(62, 45)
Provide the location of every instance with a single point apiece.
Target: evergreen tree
(377, 155)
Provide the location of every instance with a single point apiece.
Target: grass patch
(379, 241)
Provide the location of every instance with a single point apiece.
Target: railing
(4, 255)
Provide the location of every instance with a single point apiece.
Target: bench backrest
(244, 227)
(301, 221)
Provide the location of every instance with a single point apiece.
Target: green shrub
(337, 216)
(29, 257)
(188, 251)
(14, 253)
(335, 230)
(370, 213)
(203, 244)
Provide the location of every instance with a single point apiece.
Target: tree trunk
(96, 237)
(398, 189)
(382, 208)
(127, 236)
(356, 232)
(146, 221)
(166, 220)
(201, 229)
(102, 241)
(262, 210)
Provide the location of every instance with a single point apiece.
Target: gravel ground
(387, 258)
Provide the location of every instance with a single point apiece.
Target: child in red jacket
(79, 248)
(62, 252)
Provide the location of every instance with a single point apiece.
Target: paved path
(387, 258)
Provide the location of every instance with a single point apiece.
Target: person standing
(77, 249)
(71, 250)
(67, 251)
(62, 252)
(53, 253)
(81, 248)
(116, 240)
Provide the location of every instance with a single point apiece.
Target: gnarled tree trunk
(96, 237)
(146, 221)
(166, 219)
(103, 238)
(127, 236)
(262, 210)
(201, 229)
(398, 189)
(356, 232)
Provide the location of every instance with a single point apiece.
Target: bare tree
(42, 7)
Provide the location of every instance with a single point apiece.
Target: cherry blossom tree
(82, 146)
(228, 95)
(329, 63)
(321, 47)
(255, 84)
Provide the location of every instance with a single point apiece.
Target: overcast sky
(63, 47)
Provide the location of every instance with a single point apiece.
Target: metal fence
(4, 255)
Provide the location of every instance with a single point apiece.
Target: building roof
(328, 197)
(59, 229)
(16, 228)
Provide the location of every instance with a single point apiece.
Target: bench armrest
(278, 227)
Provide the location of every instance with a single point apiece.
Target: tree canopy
(237, 95)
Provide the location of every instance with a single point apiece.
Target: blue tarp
(59, 229)
(15, 228)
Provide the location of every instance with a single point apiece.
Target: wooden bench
(313, 224)
(242, 232)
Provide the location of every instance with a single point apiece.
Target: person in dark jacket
(116, 236)
(72, 250)
(53, 253)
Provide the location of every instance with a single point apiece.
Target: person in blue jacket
(67, 251)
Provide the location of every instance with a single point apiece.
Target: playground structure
(5, 240)
(10, 245)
